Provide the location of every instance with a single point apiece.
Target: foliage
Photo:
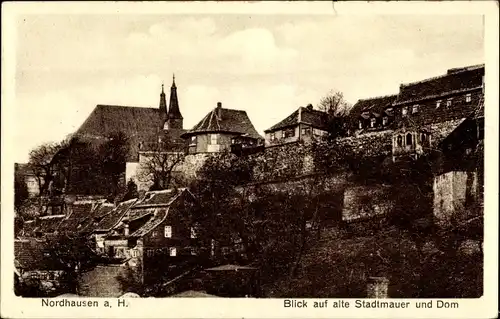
(88, 167)
(73, 254)
(21, 193)
(40, 162)
(131, 191)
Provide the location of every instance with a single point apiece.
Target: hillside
(336, 266)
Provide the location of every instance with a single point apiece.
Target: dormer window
(414, 109)
(372, 122)
(404, 111)
(385, 120)
(438, 103)
(468, 98)
(448, 102)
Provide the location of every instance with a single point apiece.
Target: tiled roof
(162, 197)
(113, 218)
(454, 81)
(159, 215)
(32, 254)
(138, 124)
(312, 117)
(48, 224)
(161, 201)
(375, 106)
(79, 212)
(225, 120)
(100, 210)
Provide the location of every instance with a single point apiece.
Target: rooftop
(305, 115)
(226, 121)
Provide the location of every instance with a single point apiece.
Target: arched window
(400, 140)
(408, 139)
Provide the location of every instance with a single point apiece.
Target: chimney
(300, 114)
(309, 106)
(218, 112)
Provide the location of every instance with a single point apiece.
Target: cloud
(266, 66)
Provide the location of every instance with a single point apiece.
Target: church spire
(163, 102)
(174, 114)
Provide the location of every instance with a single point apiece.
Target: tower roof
(163, 102)
(173, 109)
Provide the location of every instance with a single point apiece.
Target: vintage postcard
(249, 160)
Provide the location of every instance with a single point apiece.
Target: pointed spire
(163, 102)
(173, 109)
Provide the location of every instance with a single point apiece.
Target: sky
(268, 65)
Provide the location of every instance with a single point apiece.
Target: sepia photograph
(245, 155)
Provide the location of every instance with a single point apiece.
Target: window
(404, 111)
(448, 102)
(400, 140)
(272, 136)
(213, 139)
(372, 122)
(360, 124)
(414, 109)
(233, 141)
(385, 120)
(289, 132)
(168, 231)
(438, 103)
(173, 251)
(193, 232)
(283, 134)
(408, 139)
(154, 234)
(468, 98)
(193, 140)
(306, 131)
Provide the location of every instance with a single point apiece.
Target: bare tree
(158, 165)
(337, 108)
(334, 104)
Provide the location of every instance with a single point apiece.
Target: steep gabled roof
(80, 211)
(48, 224)
(158, 217)
(115, 216)
(375, 105)
(138, 124)
(315, 118)
(157, 204)
(454, 81)
(227, 121)
(99, 211)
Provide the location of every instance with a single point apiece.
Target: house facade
(304, 124)
(423, 113)
(220, 129)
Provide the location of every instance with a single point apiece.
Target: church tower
(174, 116)
(163, 105)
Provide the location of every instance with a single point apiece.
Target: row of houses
(129, 233)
